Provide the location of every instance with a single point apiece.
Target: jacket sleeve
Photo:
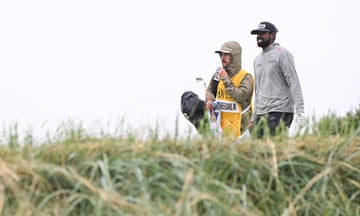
(287, 65)
(241, 94)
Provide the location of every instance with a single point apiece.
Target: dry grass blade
(184, 190)
(352, 168)
(172, 156)
(308, 186)
(2, 197)
(7, 175)
(112, 198)
(274, 159)
(356, 184)
(201, 197)
(8, 178)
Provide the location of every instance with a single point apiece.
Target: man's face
(264, 39)
(225, 59)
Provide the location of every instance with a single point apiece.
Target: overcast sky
(100, 60)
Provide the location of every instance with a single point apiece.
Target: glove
(300, 120)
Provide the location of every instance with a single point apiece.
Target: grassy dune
(309, 174)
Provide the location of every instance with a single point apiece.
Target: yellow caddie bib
(230, 110)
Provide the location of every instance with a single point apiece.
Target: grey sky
(98, 60)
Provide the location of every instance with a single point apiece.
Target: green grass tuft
(77, 173)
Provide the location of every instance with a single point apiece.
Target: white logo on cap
(262, 26)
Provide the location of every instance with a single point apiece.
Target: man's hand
(222, 73)
(208, 96)
(300, 120)
(210, 105)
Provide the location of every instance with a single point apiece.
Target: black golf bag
(194, 110)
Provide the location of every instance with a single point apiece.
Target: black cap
(265, 27)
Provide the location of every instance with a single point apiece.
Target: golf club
(212, 113)
(199, 79)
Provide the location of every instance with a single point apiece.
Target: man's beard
(225, 65)
(263, 43)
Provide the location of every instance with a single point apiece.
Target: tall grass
(81, 174)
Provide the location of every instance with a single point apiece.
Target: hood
(233, 48)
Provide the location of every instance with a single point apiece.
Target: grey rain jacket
(277, 86)
(241, 94)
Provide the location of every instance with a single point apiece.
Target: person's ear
(272, 35)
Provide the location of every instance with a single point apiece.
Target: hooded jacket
(242, 92)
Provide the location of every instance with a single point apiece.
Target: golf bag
(194, 109)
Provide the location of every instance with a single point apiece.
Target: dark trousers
(274, 122)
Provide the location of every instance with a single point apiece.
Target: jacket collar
(271, 46)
